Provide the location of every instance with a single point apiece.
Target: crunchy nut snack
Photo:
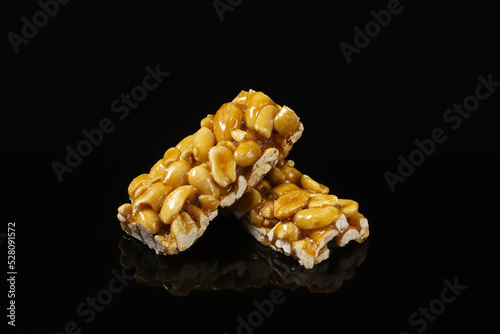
(292, 213)
(171, 206)
(242, 265)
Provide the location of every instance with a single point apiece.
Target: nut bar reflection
(238, 265)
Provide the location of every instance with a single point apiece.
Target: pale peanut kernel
(181, 228)
(247, 153)
(185, 143)
(255, 219)
(264, 121)
(208, 122)
(125, 210)
(176, 174)
(275, 176)
(318, 235)
(156, 171)
(187, 156)
(269, 222)
(309, 219)
(348, 207)
(171, 155)
(153, 197)
(222, 165)
(320, 200)
(168, 242)
(287, 231)
(267, 209)
(289, 203)
(227, 119)
(203, 141)
(308, 183)
(175, 201)
(291, 174)
(241, 100)
(208, 203)
(136, 187)
(227, 144)
(197, 214)
(239, 135)
(283, 188)
(286, 121)
(150, 220)
(256, 101)
(305, 246)
(200, 177)
(263, 187)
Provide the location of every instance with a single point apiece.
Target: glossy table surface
(398, 117)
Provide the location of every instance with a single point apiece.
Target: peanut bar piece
(171, 206)
(293, 214)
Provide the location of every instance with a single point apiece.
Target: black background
(439, 224)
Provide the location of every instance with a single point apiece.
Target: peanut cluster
(292, 213)
(171, 206)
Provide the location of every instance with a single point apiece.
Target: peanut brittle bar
(292, 213)
(171, 206)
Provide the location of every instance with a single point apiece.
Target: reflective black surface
(238, 263)
(429, 263)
